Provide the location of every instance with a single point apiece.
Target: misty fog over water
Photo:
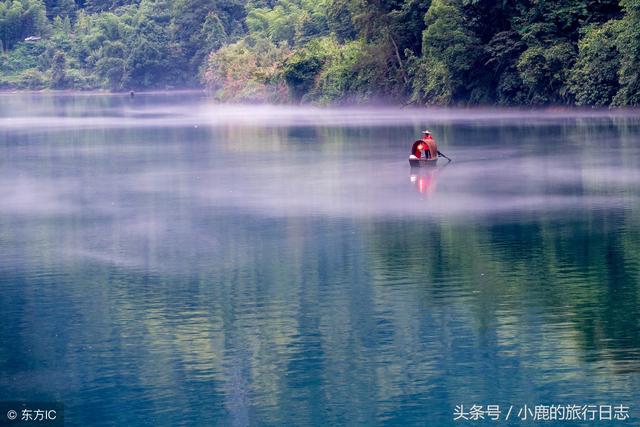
(207, 264)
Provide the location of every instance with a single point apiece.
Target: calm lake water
(166, 261)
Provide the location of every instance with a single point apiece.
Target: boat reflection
(425, 179)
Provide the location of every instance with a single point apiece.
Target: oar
(440, 154)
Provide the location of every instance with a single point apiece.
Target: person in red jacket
(430, 146)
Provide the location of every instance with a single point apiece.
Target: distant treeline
(445, 52)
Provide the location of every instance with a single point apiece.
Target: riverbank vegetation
(444, 52)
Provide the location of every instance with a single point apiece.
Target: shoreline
(97, 92)
(509, 110)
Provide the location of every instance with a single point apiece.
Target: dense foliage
(524, 52)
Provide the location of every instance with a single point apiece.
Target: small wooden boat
(419, 163)
(430, 150)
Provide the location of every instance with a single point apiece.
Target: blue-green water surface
(167, 261)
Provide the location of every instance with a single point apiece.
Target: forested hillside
(445, 52)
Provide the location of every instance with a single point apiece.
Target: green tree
(432, 83)
(292, 21)
(153, 59)
(61, 7)
(94, 6)
(301, 69)
(450, 53)
(395, 27)
(629, 47)
(544, 72)
(20, 19)
(111, 65)
(213, 36)
(502, 53)
(201, 26)
(594, 78)
(247, 71)
(58, 79)
(340, 20)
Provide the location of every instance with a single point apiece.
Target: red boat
(427, 151)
